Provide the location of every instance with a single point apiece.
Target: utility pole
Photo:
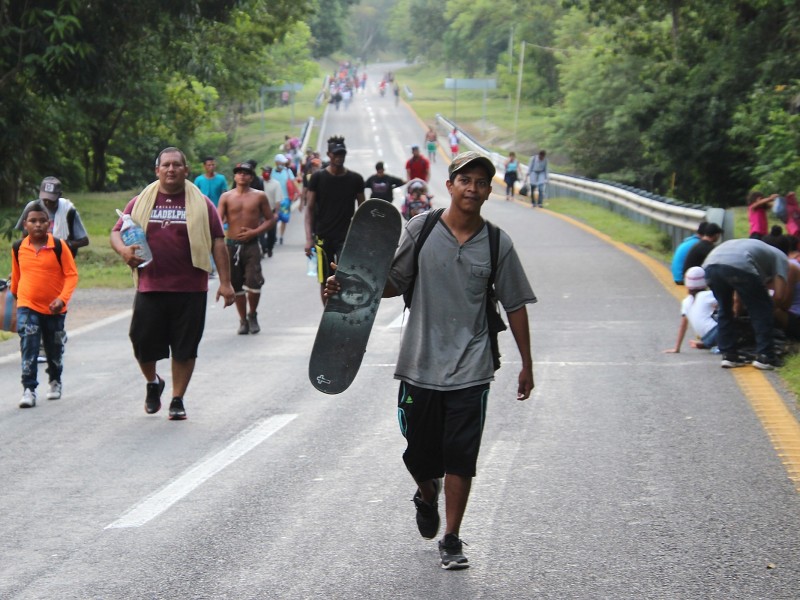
(519, 87)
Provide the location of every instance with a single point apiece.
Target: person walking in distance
(538, 177)
(211, 183)
(274, 195)
(169, 309)
(282, 175)
(247, 213)
(511, 174)
(333, 195)
(430, 143)
(446, 360)
(452, 139)
(43, 278)
(417, 167)
(65, 220)
(381, 184)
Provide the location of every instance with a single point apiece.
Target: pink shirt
(758, 219)
(171, 269)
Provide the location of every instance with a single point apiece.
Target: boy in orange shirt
(42, 280)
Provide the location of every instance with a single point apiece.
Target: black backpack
(493, 318)
(58, 248)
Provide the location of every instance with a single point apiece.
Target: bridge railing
(677, 219)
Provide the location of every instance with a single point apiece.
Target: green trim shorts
(443, 429)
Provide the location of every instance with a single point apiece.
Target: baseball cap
(695, 278)
(281, 158)
(244, 167)
(266, 169)
(50, 189)
(469, 158)
(337, 147)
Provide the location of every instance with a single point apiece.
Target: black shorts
(328, 250)
(443, 429)
(245, 261)
(164, 321)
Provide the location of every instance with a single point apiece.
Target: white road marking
(159, 502)
(15, 357)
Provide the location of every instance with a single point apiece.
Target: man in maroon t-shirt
(417, 166)
(169, 308)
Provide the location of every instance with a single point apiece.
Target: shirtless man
(243, 208)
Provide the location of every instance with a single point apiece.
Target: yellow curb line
(778, 421)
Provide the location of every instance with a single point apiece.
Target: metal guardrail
(677, 219)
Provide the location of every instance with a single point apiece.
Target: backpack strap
(431, 219)
(494, 251)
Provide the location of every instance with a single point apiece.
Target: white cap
(695, 278)
(280, 158)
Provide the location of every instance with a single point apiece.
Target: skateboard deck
(348, 317)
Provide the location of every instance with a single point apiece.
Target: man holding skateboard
(248, 214)
(333, 193)
(445, 364)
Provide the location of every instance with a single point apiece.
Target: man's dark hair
(379, 166)
(712, 229)
(208, 158)
(35, 206)
(169, 150)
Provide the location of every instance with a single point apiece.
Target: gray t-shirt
(752, 256)
(446, 341)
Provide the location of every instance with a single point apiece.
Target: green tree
(328, 26)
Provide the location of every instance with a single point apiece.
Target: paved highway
(628, 474)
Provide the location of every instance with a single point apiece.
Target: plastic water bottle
(132, 233)
(312, 263)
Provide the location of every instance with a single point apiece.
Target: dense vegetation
(700, 100)
(90, 90)
(695, 99)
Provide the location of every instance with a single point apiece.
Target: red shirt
(418, 167)
(172, 269)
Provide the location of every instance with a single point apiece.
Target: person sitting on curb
(697, 310)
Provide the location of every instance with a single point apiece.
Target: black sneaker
(428, 514)
(765, 363)
(731, 361)
(244, 327)
(152, 403)
(176, 410)
(252, 323)
(450, 549)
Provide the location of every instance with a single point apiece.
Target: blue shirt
(213, 188)
(679, 258)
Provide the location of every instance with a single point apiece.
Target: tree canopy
(698, 99)
(90, 88)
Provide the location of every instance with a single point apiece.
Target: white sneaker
(54, 393)
(28, 399)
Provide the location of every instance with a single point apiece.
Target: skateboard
(348, 317)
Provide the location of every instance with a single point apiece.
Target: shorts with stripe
(443, 429)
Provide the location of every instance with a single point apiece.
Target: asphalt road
(628, 474)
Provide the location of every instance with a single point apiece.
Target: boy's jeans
(34, 327)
